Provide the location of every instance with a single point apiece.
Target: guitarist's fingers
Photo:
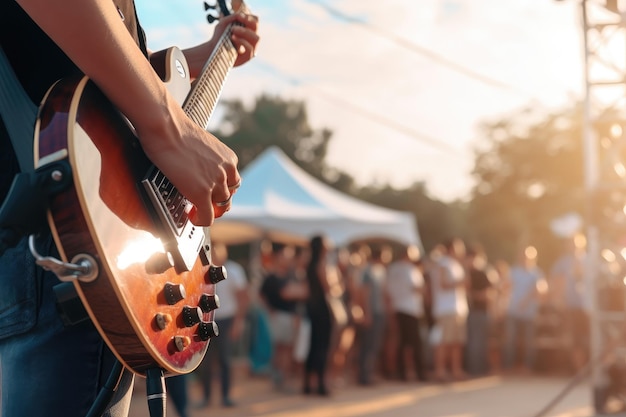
(245, 38)
(248, 21)
(242, 35)
(224, 206)
(202, 215)
(244, 49)
(221, 199)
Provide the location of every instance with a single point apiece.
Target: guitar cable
(581, 375)
(155, 389)
(106, 392)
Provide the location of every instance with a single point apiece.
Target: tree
(274, 121)
(530, 173)
(436, 220)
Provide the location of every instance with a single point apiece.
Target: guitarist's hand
(94, 37)
(202, 167)
(245, 38)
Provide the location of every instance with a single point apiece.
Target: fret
(202, 99)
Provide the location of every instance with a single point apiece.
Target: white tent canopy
(278, 200)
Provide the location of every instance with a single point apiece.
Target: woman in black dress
(319, 316)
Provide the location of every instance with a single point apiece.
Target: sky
(402, 84)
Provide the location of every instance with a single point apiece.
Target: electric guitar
(144, 270)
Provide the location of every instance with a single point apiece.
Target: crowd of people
(320, 317)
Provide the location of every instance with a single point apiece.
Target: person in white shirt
(527, 284)
(450, 311)
(233, 305)
(405, 286)
(371, 330)
(570, 289)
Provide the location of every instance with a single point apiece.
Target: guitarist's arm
(94, 37)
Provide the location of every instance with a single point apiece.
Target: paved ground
(482, 397)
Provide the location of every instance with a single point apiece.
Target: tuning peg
(210, 18)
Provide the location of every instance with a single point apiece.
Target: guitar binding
(180, 237)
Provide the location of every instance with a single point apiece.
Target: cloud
(534, 48)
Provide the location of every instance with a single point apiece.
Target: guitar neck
(202, 98)
(199, 105)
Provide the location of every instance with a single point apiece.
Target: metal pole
(591, 178)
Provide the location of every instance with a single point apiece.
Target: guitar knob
(181, 342)
(191, 315)
(207, 330)
(216, 274)
(173, 292)
(162, 320)
(209, 302)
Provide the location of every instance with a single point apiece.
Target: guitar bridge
(181, 238)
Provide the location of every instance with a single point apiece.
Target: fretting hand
(245, 38)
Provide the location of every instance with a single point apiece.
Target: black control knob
(191, 315)
(209, 302)
(173, 293)
(207, 330)
(216, 274)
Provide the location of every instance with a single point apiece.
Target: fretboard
(206, 90)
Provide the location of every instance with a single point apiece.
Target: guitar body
(106, 214)
(151, 287)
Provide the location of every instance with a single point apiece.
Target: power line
(413, 47)
(370, 115)
(422, 137)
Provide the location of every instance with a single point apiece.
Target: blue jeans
(47, 369)
(519, 332)
(370, 340)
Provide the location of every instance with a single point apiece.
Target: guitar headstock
(223, 8)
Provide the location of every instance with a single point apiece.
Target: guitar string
(202, 101)
(204, 96)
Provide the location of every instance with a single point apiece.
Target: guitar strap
(23, 211)
(18, 114)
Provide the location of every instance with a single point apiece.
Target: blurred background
(497, 122)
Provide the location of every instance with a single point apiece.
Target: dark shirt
(39, 63)
(479, 281)
(316, 301)
(271, 291)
